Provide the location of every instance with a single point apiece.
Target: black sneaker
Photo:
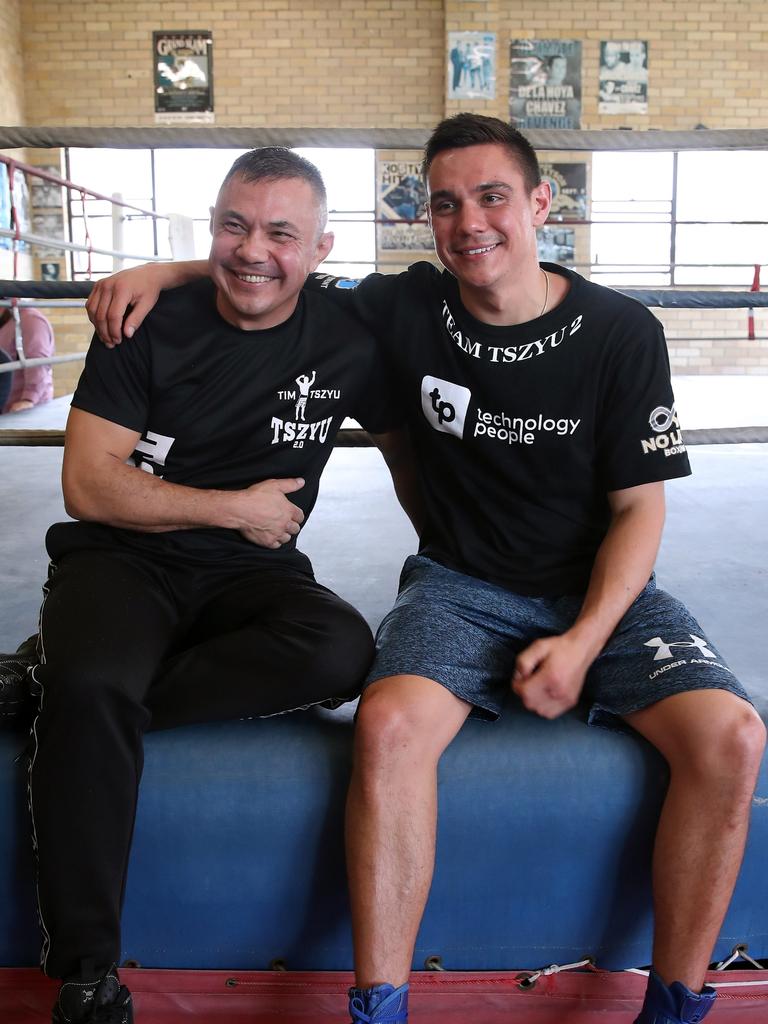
(103, 1001)
(16, 702)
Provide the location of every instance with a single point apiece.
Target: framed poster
(471, 66)
(555, 244)
(183, 75)
(545, 83)
(568, 182)
(400, 201)
(623, 77)
(20, 204)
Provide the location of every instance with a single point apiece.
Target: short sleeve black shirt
(521, 432)
(219, 407)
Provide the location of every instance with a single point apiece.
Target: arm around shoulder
(119, 303)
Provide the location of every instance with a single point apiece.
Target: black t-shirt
(522, 431)
(218, 407)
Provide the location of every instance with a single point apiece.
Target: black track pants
(129, 646)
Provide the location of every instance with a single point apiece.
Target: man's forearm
(127, 497)
(623, 564)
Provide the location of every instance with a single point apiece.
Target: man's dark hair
(466, 129)
(277, 163)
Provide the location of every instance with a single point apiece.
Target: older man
(179, 594)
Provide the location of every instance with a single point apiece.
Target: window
(693, 218)
(186, 181)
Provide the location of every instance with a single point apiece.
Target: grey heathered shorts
(465, 634)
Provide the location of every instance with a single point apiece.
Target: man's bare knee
(406, 720)
(713, 735)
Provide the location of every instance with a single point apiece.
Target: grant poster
(183, 76)
(471, 65)
(623, 78)
(545, 83)
(400, 198)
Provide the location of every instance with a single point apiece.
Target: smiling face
(484, 218)
(266, 238)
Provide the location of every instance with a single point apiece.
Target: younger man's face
(483, 216)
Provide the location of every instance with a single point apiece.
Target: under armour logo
(662, 418)
(665, 649)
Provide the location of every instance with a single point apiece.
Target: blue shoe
(382, 1004)
(674, 1005)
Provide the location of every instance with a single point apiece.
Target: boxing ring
(540, 906)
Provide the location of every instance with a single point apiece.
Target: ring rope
(59, 243)
(231, 137)
(658, 298)
(38, 172)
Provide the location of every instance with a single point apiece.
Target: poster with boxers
(545, 83)
(183, 76)
(20, 204)
(568, 182)
(471, 66)
(623, 77)
(555, 244)
(401, 221)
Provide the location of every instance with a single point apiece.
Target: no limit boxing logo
(445, 405)
(666, 426)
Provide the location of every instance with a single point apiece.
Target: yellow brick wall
(286, 62)
(382, 63)
(706, 60)
(11, 68)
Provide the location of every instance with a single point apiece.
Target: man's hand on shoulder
(549, 674)
(264, 515)
(119, 303)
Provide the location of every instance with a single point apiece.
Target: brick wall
(706, 60)
(287, 62)
(11, 69)
(382, 63)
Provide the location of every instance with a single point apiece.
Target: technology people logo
(445, 405)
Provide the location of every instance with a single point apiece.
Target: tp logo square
(445, 405)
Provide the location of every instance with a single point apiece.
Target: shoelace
(359, 1016)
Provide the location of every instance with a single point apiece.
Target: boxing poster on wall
(471, 66)
(569, 190)
(401, 223)
(20, 205)
(555, 244)
(545, 83)
(623, 78)
(183, 76)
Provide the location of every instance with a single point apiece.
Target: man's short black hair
(466, 129)
(277, 163)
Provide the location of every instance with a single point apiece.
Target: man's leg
(104, 629)
(404, 724)
(266, 643)
(713, 742)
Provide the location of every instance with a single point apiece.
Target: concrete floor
(713, 556)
